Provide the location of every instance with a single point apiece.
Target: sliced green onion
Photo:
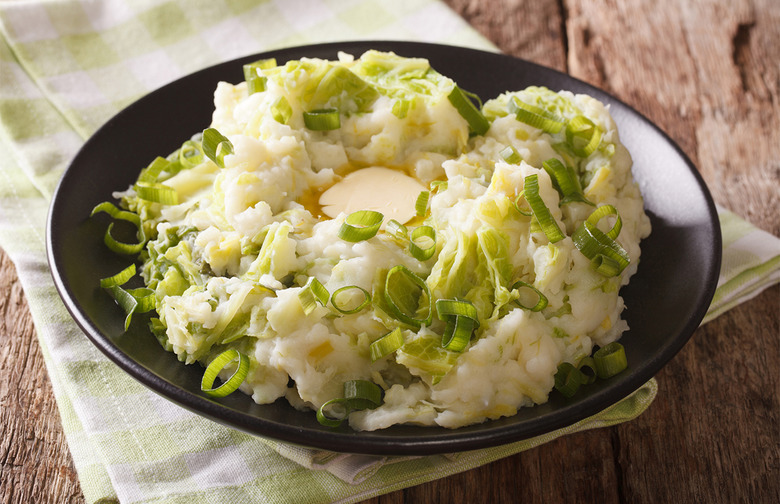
(403, 293)
(358, 395)
(312, 293)
(603, 211)
(322, 119)
(281, 110)
(516, 203)
(108, 238)
(428, 236)
(583, 136)
(438, 186)
(156, 193)
(510, 155)
(220, 362)
(329, 416)
(120, 278)
(456, 307)
(387, 344)
(216, 146)
(362, 394)
(534, 116)
(397, 230)
(568, 379)
(541, 303)
(587, 367)
(360, 225)
(190, 154)
(565, 181)
(421, 205)
(540, 210)
(461, 100)
(607, 256)
(461, 320)
(153, 171)
(256, 82)
(145, 297)
(132, 301)
(348, 311)
(610, 360)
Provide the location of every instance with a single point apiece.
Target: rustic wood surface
(708, 73)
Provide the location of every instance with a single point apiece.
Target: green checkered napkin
(66, 67)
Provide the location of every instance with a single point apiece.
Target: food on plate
(363, 238)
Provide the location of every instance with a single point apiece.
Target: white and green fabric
(68, 66)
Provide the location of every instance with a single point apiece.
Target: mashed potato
(231, 260)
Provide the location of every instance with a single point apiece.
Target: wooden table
(708, 73)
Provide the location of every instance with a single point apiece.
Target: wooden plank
(35, 464)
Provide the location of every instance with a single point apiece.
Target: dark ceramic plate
(666, 299)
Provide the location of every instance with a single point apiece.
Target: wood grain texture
(708, 73)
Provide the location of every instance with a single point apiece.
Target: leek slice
(360, 225)
(583, 136)
(540, 210)
(387, 344)
(156, 193)
(231, 384)
(311, 294)
(534, 116)
(348, 311)
(568, 379)
(404, 294)
(216, 146)
(422, 243)
(607, 256)
(461, 100)
(610, 360)
(108, 238)
(540, 304)
(322, 119)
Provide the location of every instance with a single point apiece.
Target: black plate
(666, 300)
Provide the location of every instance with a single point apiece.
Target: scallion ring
(583, 136)
(333, 412)
(604, 211)
(348, 311)
(397, 230)
(425, 250)
(120, 278)
(362, 394)
(156, 193)
(404, 294)
(123, 215)
(610, 360)
(607, 256)
(565, 181)
(190, 154)
(516, 204)
(541, 212)
(322, 119)
(360, 225)
(461, 320)
(312, 293)
(461, 100)
(534, 116)
(568, 379)
(541, 302)
(510, 155)
(387, 344)
(421, 205)
(218, 364)
(216, 146)
(587, 367)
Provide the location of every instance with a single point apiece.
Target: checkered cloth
(66, 67)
